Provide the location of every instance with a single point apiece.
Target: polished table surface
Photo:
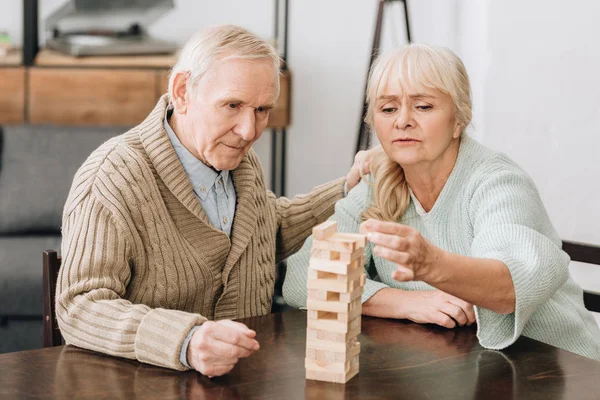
(398, 360)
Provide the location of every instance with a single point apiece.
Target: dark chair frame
(589, 254)
(51, 333)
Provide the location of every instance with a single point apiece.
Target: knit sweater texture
(488, 208)
(141, 262)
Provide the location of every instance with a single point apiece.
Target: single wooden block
(330, 306)
(360, 239)
(342, 245)
(332, 285)
(333, 325)
(333, 354)
(349, 257)
(349, 297)
(354, 311)
(323, 295)
(325, 230)
(353, 275)
(321, 245)
(330, 366)
(322, 254)
(335, 267)
(326, 344)
(331, 376)
(321, 335)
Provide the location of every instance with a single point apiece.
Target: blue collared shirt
(214, 189)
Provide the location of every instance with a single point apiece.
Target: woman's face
(415, 127)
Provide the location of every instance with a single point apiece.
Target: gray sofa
(37, 165)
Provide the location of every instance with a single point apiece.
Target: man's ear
(179, 95)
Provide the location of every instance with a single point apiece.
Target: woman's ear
(458, 128)
(179, 97)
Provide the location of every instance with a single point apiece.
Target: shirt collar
(201, 176)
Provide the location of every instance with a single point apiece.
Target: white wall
(533, 66)
(542, 104)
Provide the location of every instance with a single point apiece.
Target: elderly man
(169, 227)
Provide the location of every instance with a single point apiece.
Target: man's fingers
(233, 336)
(239, 326)
(227, 353)
(219, 370)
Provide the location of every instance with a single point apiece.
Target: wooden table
(398, 360)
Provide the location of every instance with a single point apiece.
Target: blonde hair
(220, 42)
(413, 67)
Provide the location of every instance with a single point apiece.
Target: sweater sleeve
(90, 296)
(347, 215)
(296, 217)
(510, 224)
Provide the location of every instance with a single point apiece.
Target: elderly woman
(450, 223)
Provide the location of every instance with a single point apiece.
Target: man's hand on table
(217, 346)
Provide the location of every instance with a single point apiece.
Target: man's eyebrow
(238, 101)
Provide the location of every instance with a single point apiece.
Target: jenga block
(326, 366)
(329, 366)
(331, 306)
(321, 315)
(361, 240)
(325, 230)
(354, 311)
(349, 297)
(321, 245)
(332, 285)
(342, 245)
(323, 295)
(333, 325)
(333, 354)
(331, 376)
(317, 334)
(363, 280)
(335, 267)
(353, 277)
(349, 257)
(313, 343)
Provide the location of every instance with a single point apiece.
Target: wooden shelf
(12, 95)
(13, 58)
(67, 90)
(50, 58)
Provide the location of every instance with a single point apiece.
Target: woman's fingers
(466, 307)
(444, 320)
(455, 312)
(393, 242)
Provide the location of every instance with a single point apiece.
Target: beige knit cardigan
(141, 262)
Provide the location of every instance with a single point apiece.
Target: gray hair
(220, 43)
(416, 66)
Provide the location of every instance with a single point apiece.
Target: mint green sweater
(489, 208)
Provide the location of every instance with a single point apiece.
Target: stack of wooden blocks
(335, 284)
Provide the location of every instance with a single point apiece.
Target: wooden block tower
(335, 284)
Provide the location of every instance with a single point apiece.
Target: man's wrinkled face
(228, 111)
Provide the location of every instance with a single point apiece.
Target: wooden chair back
(589, 254)
(51, 333)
